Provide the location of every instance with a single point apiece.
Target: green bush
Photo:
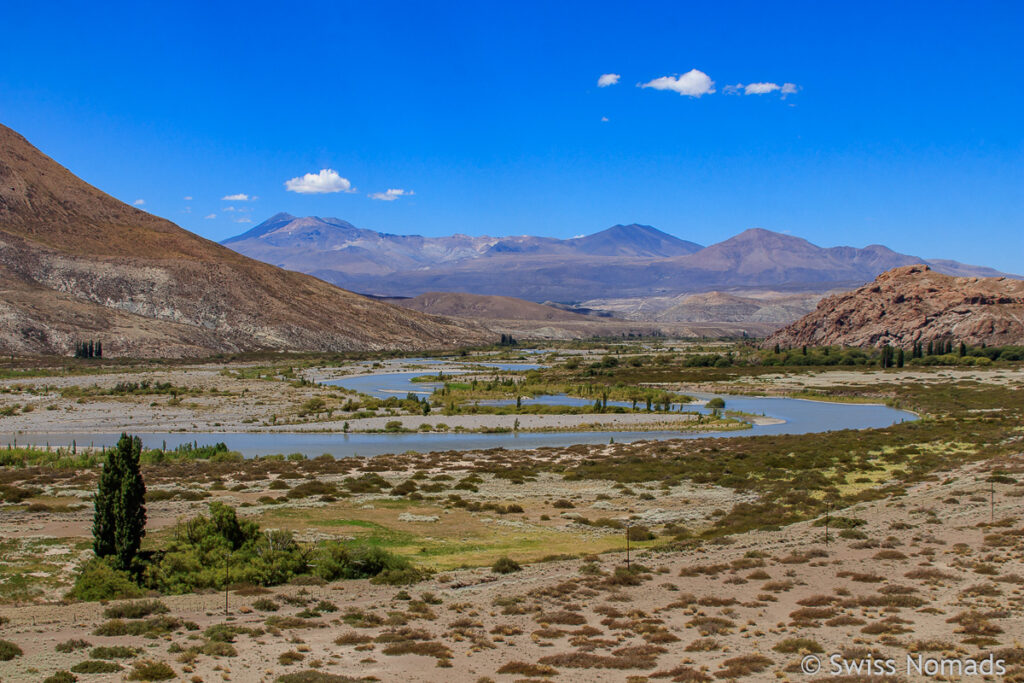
(151, 671)
(639, 532)
(505, 565)
(97, 580)
(95, 666)
(135, 610)
(72, 645)
(312, 676)
(113, 652)
(61, 677)
(9, 651)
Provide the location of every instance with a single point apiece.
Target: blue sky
(904, 128)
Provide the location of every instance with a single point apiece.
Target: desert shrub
(792, 645)
(505, 565)
(72, 645)
(639, 532)
(95, 666)
(313, 676)
(290, 657)
(266, 605)
(135, 610)
(97, 580)
(562, 504)
(151, 671)
(9, 651)
(112, 652)
(527, 669)
(61, 677)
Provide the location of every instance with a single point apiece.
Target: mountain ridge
(621, 261)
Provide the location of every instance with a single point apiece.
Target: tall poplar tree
(119, 520)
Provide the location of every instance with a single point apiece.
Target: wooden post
(828, 509)
(627, 546)
(991, 502)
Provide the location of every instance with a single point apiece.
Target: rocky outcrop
(914, 304)
(76, 263)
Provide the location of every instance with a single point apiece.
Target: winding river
(795, 416)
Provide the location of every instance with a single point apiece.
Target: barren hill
(78, 264)
(914, 303)
(479, 306)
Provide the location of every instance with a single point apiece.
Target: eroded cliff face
(78, 264)
(914, 303)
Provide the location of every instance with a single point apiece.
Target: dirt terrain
(936, 572)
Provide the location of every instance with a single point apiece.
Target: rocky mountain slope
(620, 262)
(914, 303)
(75, 264)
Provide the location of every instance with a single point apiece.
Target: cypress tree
(963, 350)
(899, 357)
(119, 520)
(931, 349)
(99, 349)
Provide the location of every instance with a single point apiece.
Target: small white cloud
(693, 83)
(139, 202)
(243, 220)
(607, 79)
(187, 209)
(391, 195)
(210, 216)
(604, 119)
(760, 88)
(240, 197)
(324, 182)
(188, 198)
(229, 208)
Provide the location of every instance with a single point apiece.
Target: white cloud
(240, 197)
(604, 119)
(243, 220)
(391, 195)
(760, 88)
(693, 83)
(229, 208)
(607, 79)
(187, 209)
(188, 198)
(210, 217)
(324, 182)
(139, 202)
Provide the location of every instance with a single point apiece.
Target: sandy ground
(932, 577)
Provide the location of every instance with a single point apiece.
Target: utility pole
(227, 557)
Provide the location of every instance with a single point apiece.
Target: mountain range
(621, 261)
(77, 264)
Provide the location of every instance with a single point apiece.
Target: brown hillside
(78, 264)
(477, 306)
(914, 303)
